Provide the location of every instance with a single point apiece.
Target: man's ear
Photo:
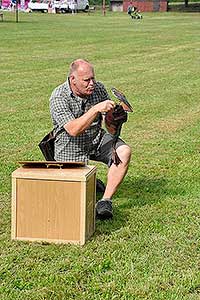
(72, 79)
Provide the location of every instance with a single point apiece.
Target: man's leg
(116, 173)
(114, 178)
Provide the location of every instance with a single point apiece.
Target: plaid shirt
(64, 107)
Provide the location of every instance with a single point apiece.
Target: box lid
(56, 171)
(51, 164)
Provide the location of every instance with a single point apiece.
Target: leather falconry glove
(114, 120)
(115, 117)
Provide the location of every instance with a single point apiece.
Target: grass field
(151, 249)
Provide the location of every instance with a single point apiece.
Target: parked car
(38, 5)
(62, 6)
(65, 6)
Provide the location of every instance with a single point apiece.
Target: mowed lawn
(151, 249)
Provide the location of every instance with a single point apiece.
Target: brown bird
(114, 120)
(122, 99)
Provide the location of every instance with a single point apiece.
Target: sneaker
(104, 209)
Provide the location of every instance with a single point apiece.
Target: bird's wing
(122, 98)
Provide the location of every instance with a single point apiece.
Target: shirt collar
(70, 90)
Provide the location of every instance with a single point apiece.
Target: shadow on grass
(143, 191)
(133, 193)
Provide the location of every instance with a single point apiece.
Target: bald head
(82, 78)
(79, 64)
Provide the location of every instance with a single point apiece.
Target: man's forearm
(79, 125)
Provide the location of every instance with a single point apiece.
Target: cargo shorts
(104, 150)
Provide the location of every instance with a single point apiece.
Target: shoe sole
(105, 215)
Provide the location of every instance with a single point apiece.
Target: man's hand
(104, 106)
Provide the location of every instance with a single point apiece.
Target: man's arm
(77, 126)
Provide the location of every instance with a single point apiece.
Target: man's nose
(92, 81)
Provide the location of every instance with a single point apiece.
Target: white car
(38, 5)
(70, 5)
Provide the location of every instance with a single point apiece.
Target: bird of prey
(122, 98)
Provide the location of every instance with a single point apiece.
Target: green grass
(151, 249)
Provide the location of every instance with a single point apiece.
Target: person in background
(73, 6)
(133, 12)
(77, 110)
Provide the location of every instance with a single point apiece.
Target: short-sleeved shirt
(65, 107)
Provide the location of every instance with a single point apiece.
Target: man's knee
(124, 152)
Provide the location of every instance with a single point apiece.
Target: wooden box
(53, 204)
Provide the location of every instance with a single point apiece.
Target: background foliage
(150, 250)
(99, 2)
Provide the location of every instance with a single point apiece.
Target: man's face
(83, 80)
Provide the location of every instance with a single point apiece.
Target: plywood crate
(54, 204)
